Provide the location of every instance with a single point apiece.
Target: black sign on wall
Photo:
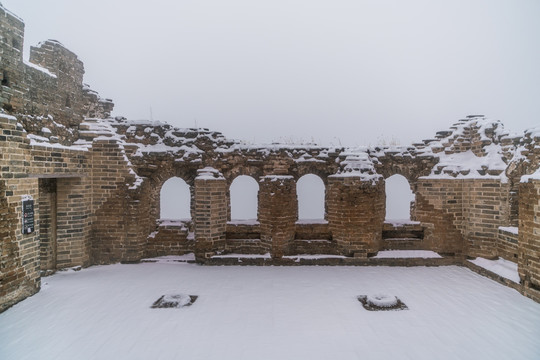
(28, 216)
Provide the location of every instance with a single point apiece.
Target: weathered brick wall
(408, 236)
(119, 229)
(305, 230)
(19, 263)
(462, 216)
(507, 245)
(245, 238)
(48, 87)
(73, 221)
(485, 205)
(356, 211)
(529, 238)
(278, 212)
(439, 207)
(171, 238)
(526, 160)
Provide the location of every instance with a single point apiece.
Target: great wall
(94, 183)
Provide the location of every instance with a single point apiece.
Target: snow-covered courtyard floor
(311, 312)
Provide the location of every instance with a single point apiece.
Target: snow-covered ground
(310, 312)
(500, 266)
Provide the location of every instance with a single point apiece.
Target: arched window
(310, 190)
(244, 190)
(398, 198)
(175, 199)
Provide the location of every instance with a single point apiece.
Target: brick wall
(439, 207)
(171, 238)
(462, 216)
(119, 229)
(529, 238)
(507, 245)
(356, 211)
(19, 263)
(210, 213)
(278, 212)
(485, 205)
(245, 238)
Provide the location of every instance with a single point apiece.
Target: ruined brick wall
(171, 238)
(439, 207)
(485, 205)
(118, 228)
(507, 245)
(97, 182)
(48, 88)
(19, 263)
(48, 103)
(463, 216)
(525, 160)
(529, 237)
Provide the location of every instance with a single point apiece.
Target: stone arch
(158, 178)
(254, 172)
(231, 174)
(322, 170)
(243, 193)
(311, 193)
(399, 195)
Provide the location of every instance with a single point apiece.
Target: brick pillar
(356, 211)
(210, 212)
(278, 212)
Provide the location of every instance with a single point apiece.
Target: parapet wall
(96, 180)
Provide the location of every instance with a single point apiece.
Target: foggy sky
(344, 72)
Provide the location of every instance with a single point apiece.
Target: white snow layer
(273, 312)
(534, 176)
(506, 269)
(510, 229)
(40, 68)
(401, 254)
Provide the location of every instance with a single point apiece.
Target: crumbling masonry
(95, 182)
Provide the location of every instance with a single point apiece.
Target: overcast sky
(336, 71)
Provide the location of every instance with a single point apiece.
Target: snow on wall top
(471, 148)
(474, 147)
(209, 173)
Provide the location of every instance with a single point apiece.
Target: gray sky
(337, 71)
